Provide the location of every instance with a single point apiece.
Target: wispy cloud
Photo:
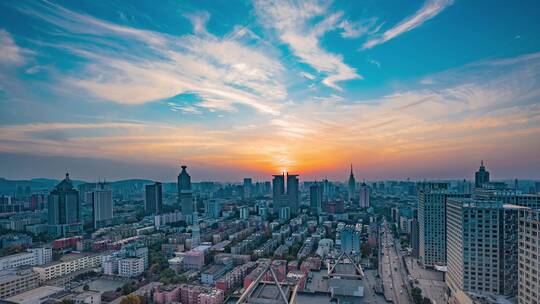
(430, 9)
(295, 26)
(308, 75)
(374, 62)
(140, 66)
(357, 29)
(11, 53)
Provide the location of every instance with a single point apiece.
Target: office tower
(37, 202)
(364, 195)
(278, 192)
(326, 190)
(213, 208)
(244, 212)
(432, 199)
(154, 199)
(529, 256)
(350, 239)
(248, 187)
(481, 176)
(415, 245)
(64, 217)
(352, 185)
(482, 245)
(315, 198)
(293, 193)
(102, 205)
(185, 194)
(394, 212)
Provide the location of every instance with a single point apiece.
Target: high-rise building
(415, 244)
(482, 240)
(102, 205)
(350, 239)
(248, 188)
(293, 193)
(64, 210)
(529, 256)
(315, 198)
(328, 190)
(278, 192)
(244, 212)
(432, 199)
(185, 194)
(351, 185)
(286, 196)
(154, 199)
(213, 208)
(481, 176)
(195, 236)
(364, 195)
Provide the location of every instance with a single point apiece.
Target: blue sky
(235, 88)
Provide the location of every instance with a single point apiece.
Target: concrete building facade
(529, 257)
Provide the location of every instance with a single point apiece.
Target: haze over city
(419, 89)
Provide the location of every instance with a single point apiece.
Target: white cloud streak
(357, 29)
(140, 66)
(430, 9)
(292, 21)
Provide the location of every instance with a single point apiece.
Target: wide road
(370, 297)
(392, 270)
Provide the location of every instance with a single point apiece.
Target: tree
(157, 258)
(86, 287)
(168, 276)
(131, 299)
(416, 294)
(127, 288)
(364, 249)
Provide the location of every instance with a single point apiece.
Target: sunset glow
(273, 87)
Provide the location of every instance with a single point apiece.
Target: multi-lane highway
(392, 269)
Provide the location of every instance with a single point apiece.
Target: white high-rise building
(482, 247)
(529, 257)
(432, 222)
(102, 205)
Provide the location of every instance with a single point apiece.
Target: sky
(400, 89)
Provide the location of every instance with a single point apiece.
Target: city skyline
(422, 89)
